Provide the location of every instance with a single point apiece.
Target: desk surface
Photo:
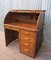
(32, 27)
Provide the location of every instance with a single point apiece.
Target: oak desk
(27, 26)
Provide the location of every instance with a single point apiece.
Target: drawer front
(11, 28)
(27, 44)
(27, 39)
(31, 45)
(27, 33)
(32, 52)
(24, 38)
(24, 50)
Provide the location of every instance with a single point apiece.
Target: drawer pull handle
(26, 50)
(27, 38)
(26, 44)
(27, 33)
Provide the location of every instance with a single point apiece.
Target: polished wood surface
(27, 26)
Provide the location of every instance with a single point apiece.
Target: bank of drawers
(27, 42)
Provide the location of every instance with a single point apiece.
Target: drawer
(24, 44)
(24, 39)
(24, 50)
(28, 33)
(31, 45)
(27, 39)
(32, 52)
(11, 28)
(27, 44)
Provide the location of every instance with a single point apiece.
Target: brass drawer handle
(27, 33)
(26, 50)
(27, 38)
(26, 44)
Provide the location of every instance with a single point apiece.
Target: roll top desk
(27, 26)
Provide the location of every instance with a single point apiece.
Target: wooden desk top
(32, 27)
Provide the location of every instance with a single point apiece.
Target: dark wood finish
(27, 26)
